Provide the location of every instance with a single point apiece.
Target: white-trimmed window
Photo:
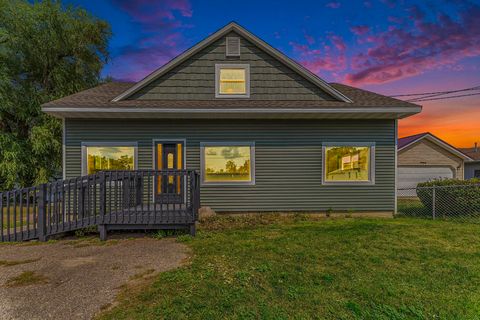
(227, 162)
(98, 156)
(232, 80)
(348, 163)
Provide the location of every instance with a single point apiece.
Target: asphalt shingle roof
(405, 141)
(473, 153)
(101, 96)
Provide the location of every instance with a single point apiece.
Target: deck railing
(140, 197)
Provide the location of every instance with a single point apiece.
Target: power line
(443, 98)
(437, 95)
(437, 92)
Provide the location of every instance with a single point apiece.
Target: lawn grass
(26, 278)
(413, 207)
(298, 268)
(11, 263)
(19, 218)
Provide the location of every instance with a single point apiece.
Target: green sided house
(264, 133)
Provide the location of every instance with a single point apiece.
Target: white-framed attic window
(232, 81)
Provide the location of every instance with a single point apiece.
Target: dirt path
(75, 279)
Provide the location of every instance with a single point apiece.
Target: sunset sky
(386, 46)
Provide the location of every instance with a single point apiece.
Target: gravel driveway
(75, 279)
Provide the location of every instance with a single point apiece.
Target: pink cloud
(161, 23)
(360, 30)
(310, 39)
(333, 5)
(425, 45)
(323, 57)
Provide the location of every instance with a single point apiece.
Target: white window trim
(85, 145)
(372, 168)
(246, 67)
(251, 144)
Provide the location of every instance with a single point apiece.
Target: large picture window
(348, 163)
(228, 163)
(232, 81)
(107, 156)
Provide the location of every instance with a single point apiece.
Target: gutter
(339, 110)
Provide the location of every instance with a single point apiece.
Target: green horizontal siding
(288, 158)
(194, 79)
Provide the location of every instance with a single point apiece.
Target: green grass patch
(18, 219)
(276, 267)
(25, 279)
(413, 207)
(11, 263)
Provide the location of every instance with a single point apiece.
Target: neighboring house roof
(232, 26)
(115, 99)
(473, 153)
(410, 140)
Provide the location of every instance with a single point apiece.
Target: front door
(169, 186)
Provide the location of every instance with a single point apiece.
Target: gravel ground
(83, 276)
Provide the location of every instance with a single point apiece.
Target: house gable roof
(473, 153)
(153, 97)
(97, 103)
(405, 142)
(232, 27)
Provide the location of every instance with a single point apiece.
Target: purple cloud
(325, 56)
(310, 39)
(161, 39)
(412, 49)
(360, 30)
(333, 5)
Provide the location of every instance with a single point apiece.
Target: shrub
(453, 197)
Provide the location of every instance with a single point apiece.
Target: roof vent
(233, 47)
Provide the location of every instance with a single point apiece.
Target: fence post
(103, 198)
(42, 212)
(197, 194)
(433, 203)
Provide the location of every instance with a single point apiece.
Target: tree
(230, 166)
(47, 51)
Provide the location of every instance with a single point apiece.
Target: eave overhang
(234, 113)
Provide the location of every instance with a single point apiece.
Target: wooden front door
(169, 186)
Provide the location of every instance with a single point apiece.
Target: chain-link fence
(456, 202)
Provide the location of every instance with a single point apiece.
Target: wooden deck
(110, 200)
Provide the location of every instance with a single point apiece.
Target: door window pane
(345, 163)
(110, 158)
(170, 161)
(227, 164)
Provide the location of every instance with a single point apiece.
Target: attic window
(232, 81)
(233, 47)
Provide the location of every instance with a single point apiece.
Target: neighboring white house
(423, 157)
